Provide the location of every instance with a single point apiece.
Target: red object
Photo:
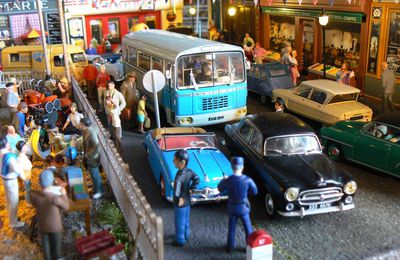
(90, 72)
(259, 238)
(49, 99)
(102, 79)
(98, 244)
(65, 102)
(33, 97)
(124, 20)
(126, 114)
(171, 16)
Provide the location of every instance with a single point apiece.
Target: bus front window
(205, 70)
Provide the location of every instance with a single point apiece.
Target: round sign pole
(157, 110)
(154, 81)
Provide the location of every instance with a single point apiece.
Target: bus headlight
(185, 120)
(291, 194)
(241, 111)
(350, 187)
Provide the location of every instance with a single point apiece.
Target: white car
(115, 70)
(325, 101)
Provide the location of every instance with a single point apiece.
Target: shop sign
(333, 16)
(25, 6)
(112, 6)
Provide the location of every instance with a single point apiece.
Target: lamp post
(192, 12)
(323, 20)
(231, 12)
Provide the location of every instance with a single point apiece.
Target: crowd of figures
(17, 152)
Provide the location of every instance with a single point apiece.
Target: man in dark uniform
(185, 181)
(237, 186)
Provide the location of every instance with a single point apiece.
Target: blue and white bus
(206, 80)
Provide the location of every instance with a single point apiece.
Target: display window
(132, 21)
(96, 27)
(282, 30)
(393, 46)
(373, 47)
(114, 31)
(343, 44)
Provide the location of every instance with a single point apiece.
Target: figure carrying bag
(147, 122)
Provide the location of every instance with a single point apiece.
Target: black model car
(284, 156)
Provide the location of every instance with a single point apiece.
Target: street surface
(369, 230)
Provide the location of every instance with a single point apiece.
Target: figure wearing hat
(238, 186)
(48, 203)
(129, 91)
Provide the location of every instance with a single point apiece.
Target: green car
(375, 144)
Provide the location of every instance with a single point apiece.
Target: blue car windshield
(288, 145)
(176, 142)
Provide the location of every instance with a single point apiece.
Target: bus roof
(56, 48)
(171, 45)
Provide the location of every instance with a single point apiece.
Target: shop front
(383, 45)
(18, 18)
(298, 24)
(103, 21)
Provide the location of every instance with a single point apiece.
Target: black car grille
(212, 103)
(356, 117)
(316, 196)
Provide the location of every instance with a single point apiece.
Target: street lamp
(323, 20)
(231, 12)
(192, 12)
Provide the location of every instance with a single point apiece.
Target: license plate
(215, 118)
(320, 206)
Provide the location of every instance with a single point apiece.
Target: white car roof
(331, 86)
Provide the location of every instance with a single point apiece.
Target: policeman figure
(237, 186)
(185, 181)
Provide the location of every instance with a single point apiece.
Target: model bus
(205, 80)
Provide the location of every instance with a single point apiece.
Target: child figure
(26, 165)
(141, 112)
(48, 203)
(279, 105)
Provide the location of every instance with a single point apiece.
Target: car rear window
(343, 98)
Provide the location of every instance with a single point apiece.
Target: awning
(32, 34)
(345, 17)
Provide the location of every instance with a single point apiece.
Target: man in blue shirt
(19, 119)
(91, 50)
(237, 186)
(12, 99)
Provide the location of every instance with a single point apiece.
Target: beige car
(325, 101)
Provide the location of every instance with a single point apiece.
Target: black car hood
(306, 171)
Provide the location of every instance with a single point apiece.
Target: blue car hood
(209, 165)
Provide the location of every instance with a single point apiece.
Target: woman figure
(343, 75)
(26, 165)
(289, 58)
(141, 112)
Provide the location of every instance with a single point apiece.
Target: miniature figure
(279, 105)
(10, 171)
(185, 182)
(91, 155)
(238, 186)
(48, 203)
(26, 165)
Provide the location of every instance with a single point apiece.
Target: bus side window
(143, 61)
(157, 64)
(132, 56)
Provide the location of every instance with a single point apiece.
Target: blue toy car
(205, 159)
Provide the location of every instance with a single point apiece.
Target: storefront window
(393, 49)
(4, 29)
(113, 29)
(343, 44)
(151, 21)
(97, 30)
(282, 30)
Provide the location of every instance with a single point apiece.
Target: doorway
(307, 44)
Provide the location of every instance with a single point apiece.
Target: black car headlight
(291, 194)
(350, 187)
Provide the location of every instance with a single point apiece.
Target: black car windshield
(175, 142)
(288, 145)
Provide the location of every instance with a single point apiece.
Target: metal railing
(144, 225)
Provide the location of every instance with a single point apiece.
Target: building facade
(98, 20)
(20, 17)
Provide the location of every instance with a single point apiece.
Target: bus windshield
(210, 69)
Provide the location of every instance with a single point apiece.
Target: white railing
(144, 225)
